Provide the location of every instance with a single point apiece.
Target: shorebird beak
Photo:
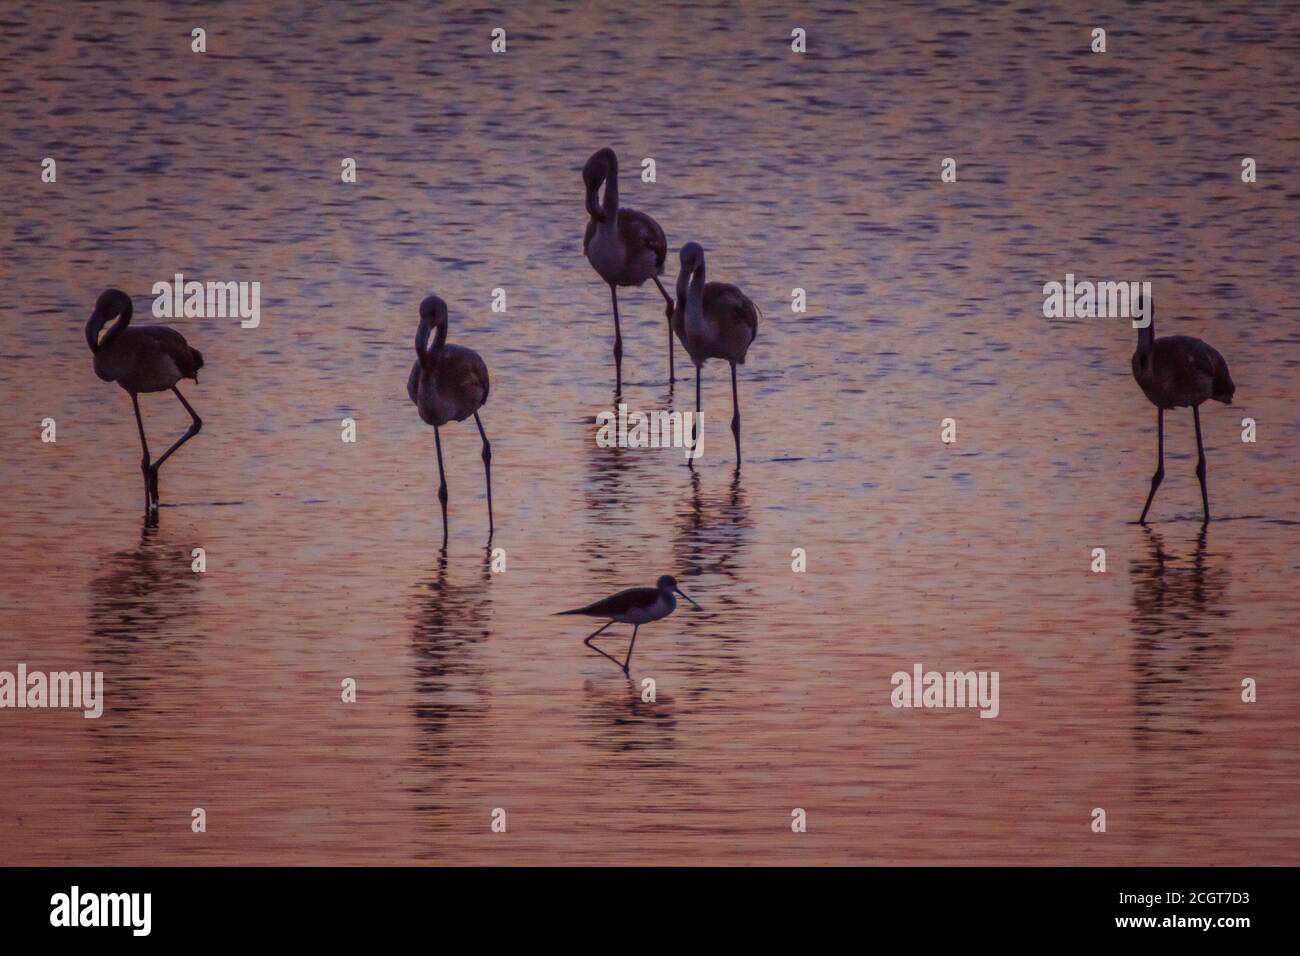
(684, 594)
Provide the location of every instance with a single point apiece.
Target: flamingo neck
(695, 301)
(117, 328)
(97, 323)
(430, 355)
(1147, 339)
(609, 205)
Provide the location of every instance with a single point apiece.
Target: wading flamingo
(448, 383)
(147, 358)
(713, 320)
(624, 246)
(1176, 371)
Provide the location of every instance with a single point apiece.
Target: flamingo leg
(442, 484)
(144, 463)
(1159, 476)
(735, 414)
(695, 427)
(487, 470)
(1200, 463)
(668, 311)
(618, 343)
(195, 425)
(635, 628)
(587, 641)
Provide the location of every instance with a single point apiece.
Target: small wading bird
(635, 606)
(624, 246)
(1176, 371)
(448, 383)
(147, 358)
(713, 320)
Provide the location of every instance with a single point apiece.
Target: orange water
(1118, 690)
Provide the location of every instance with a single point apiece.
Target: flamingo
(624, 246)
(713, 320)
(635, 606)
(448, 383)
(147, 358)
(1175, 371)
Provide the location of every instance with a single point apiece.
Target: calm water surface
(1118, 690)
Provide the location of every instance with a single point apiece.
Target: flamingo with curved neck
(147, 358)
(624, 246)
(448, 383)
(712, 320)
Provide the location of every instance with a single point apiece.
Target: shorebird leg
(735, 414)
(144, 463)
(635, 628)
(1159, 476)
(196, 424)
(1200, 464)
(587, 641)
(442, 484)
(668, 311)
(487, 470)
(618, 343)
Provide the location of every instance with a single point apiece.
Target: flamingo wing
(641, 231)
(731, 307)
(167, 341)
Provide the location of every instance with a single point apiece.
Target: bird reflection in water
(1179, 612)
(145, 621)
(451, 622)
(623, 722)
(620, 481)
(712, 534)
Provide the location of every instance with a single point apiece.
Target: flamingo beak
(684, 594)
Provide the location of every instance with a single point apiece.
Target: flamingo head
(110, 304)
(691, 257)
(598, 168)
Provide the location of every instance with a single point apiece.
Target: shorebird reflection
(626, 724)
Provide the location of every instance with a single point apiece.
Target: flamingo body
(626, 251)
(728, 325)
(150, 358)
(452, 392)
(1183, 371)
